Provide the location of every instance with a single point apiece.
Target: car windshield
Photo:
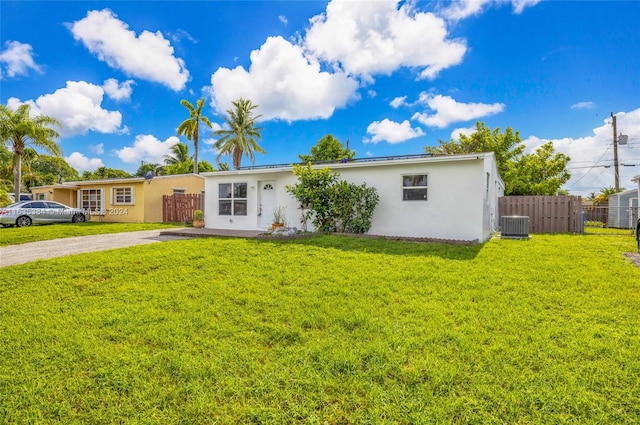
(15, 204)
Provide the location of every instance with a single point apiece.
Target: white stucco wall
(252, 220)
(461, 204)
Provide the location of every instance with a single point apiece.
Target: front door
(267, 203)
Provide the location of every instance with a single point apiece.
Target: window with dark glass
(122, 195)
(414, 187)
(232, 199)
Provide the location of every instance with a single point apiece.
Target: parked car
(638, 234)
(23, 197)
(26, 213)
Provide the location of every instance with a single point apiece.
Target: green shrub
(4, 198)
(353, 206)
(331, 203)
(594, 223)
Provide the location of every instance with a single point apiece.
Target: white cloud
(148, 56)
(283, 19)
(449, 110)
(461, 9)
(118, 91)
(82, 163)
(283, 83)
(146, 148)
(371, 93)
(17, 59)
(520, 5)
(398, 102)
(180, 34)
(215, 127)
(591, 156)
(392, 132)
(467, 131)
(97, 149)
(583, 105)
(377, 37)
(77, 107)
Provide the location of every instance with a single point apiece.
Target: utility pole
(615, 153)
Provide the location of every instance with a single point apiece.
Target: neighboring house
(623, 209)
(128, 200)
(422, 196)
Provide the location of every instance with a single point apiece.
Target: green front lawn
(20, 235)
(326, 329)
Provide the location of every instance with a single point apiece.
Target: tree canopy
(103, 173)
(242, 135)
(328, 148)
(51, 170)
(542, 172)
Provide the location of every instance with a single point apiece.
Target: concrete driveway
(25, 253)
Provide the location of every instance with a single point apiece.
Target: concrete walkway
(43, 250)
(25, 253)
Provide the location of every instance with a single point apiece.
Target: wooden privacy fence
(547, 214)
(179, 207)
(596, 213)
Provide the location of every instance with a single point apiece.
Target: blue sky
(390, 77)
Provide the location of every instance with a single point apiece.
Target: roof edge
(394, 160)
(119, 180)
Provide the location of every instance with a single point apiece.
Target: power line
(591, 168)
(603, 166)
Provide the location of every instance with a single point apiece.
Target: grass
(609, 231)
(326, 329)
(20, 235)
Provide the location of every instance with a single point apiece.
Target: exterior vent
(515, 227)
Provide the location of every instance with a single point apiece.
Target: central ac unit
(515, 227)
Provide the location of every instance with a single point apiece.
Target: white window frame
(415, 187)
(234, 199)
(131, 196)
(99, 203)
(40, 196)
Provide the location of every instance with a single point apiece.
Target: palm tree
(28, 176)
(189, 127)
(179, 153)
(145, 167)
(240, 138)
(19, 130)
(605, 192)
